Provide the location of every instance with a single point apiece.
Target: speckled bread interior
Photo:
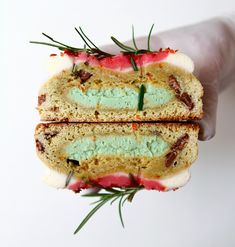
(54, 104)
(51, 140)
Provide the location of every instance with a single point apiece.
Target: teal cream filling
(120, 98)
(125, 145)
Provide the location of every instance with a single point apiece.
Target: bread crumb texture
(55, 104)
(53, 139)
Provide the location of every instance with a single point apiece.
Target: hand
(211, 45)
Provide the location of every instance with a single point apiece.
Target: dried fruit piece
(174, 84)
(41, 99)
(170, 157)
(49, 135)
(183, 97)
(175, 148)
(82, 74)
(40, 146)
(186, 99)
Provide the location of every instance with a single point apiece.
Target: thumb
(210, 101)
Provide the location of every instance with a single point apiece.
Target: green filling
(120, 98)
(126, 146)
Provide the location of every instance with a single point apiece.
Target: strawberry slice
(118, 180)
(119, 62)
(153, 57)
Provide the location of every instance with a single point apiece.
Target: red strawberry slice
(118, 180)
(79, 185)
(151, 184)
(114, 181)
(153, 57)
(120, 62)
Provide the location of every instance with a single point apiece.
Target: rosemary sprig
(55, 41)
(91, 48)
(133, 38)
(122, 46)
(48, 44)
(88, 38)
(149, 37)
(110, 195)
(133, 50)
(60, 46)
(133, 63)
(141, 97)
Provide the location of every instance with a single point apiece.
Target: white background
(32, 214)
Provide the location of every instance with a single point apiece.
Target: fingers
(210, 101)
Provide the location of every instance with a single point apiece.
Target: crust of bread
(51, 138)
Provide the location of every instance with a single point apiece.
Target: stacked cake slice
(119, 121)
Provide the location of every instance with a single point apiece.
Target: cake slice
(84, 88)
(152, 155)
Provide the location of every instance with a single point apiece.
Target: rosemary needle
(88, 38)
(141, 97)
(122, 46)
(133, 38)
(133, 63)
(93, 211)
(120, 210)
(149, 37)
(111, 194)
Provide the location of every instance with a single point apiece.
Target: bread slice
(95, 93)
(92, 151)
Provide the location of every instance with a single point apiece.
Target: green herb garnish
(69, 177)
(133, 38)
(133, 50)
(91, 48)
(149, 37)
(60, 46)
(73, 68)
(141, 97)
(133, 63)
(122, 46)
(110, 195)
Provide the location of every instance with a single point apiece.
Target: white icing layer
(55, 179)
(58, 180)
(58, 63)
(180, 60)
(177, 180)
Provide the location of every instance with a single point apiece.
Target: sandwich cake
(119, 123)
(153, 155)
(84, 88)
